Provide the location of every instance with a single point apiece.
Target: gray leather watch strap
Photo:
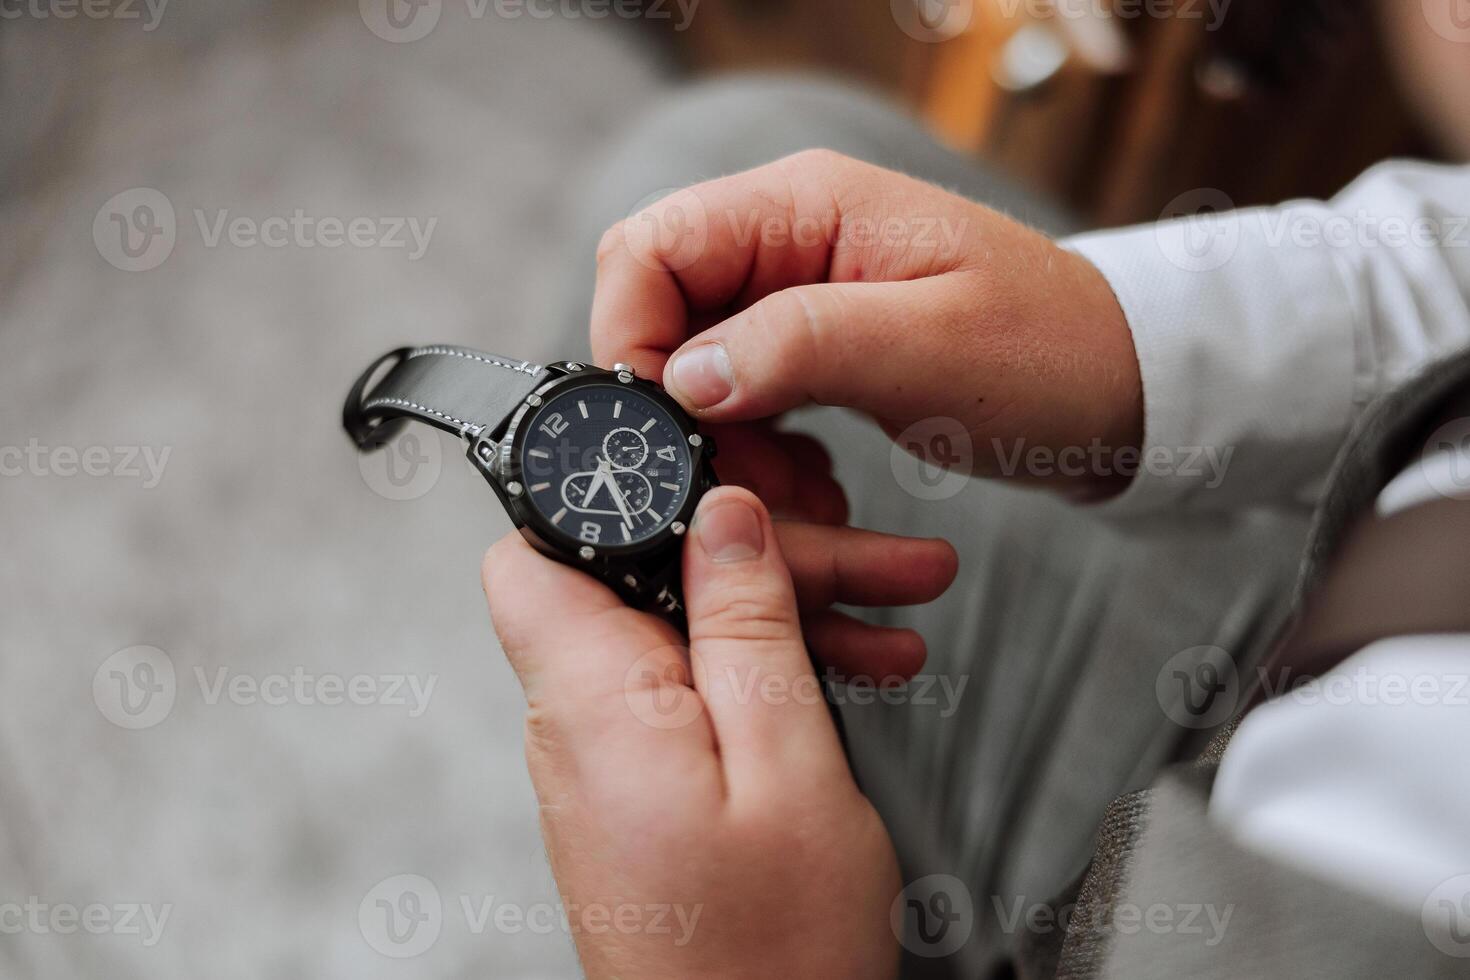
(456, 389)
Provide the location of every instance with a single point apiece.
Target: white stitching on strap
(525, 367)
(405, 403)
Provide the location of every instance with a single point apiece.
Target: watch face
(605, 464)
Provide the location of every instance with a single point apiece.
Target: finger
(859, 651)
(864, 568)
(791, 474)
(721, 245)
(851, 344)
(816, 496)
(750, 664)
(604, 683)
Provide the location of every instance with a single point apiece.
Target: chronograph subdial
(636, 490)
(578, 491)
(625, 448)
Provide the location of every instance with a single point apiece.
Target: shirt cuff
(1247, 345)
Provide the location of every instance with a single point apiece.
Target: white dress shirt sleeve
(1261, 333)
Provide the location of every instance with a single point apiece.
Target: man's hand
(822, 279)
(698, 812)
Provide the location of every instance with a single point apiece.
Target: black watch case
(645, 573)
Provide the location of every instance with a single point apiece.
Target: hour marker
(556, 518)
(538, 487)
(666, 486)
(539, 453)
(627, 536)
(617, 408)
(582, 407)
(648, 425)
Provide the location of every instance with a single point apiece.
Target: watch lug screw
(678, 528)
(622, 368)
(513, 488)
(533, 400)
(573, 366)
(625, 377)
(630, 581)
(696, 440)
(586, 553)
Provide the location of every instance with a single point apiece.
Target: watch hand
(617, 494)
(598, 479)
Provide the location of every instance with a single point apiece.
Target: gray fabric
(1277, 922)
(1059, 624)
(1158, 848)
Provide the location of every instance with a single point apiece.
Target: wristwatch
(599, 469)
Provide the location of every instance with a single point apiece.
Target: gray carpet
(262, 820)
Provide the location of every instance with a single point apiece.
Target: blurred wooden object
(1114, 115)
(1118, 137)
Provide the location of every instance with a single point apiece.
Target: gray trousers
(1038, 704)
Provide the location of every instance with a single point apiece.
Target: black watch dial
(605, 464)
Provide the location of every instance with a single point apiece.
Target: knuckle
(750, 612)
(613, 241)
(818, 160)
(794, 322)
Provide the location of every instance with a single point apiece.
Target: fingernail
(730, 531)
(702, 375)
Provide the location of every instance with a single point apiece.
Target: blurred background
(252, 719)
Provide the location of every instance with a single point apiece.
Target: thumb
(750, 664)
(860, 345)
